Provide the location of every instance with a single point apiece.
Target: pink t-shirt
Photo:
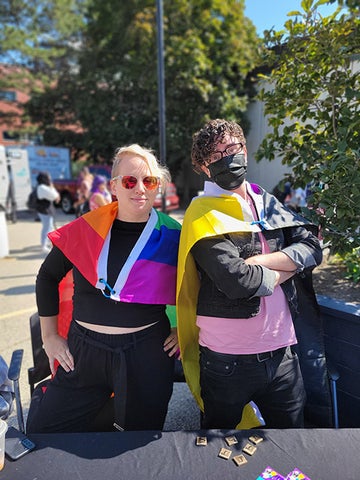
(271, 329)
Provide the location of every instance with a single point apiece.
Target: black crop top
(89, 304)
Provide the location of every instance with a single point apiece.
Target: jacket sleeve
(302, 247)
(220, 259)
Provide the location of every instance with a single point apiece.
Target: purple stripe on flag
(150, 282)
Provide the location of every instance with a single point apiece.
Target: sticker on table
(296, 474)
(270, 473)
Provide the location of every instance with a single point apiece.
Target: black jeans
(229, 382)
(133, 366)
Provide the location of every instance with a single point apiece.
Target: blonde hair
(149, 158)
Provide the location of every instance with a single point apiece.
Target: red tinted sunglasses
(129, 181)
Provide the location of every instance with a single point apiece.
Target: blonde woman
(124, 258)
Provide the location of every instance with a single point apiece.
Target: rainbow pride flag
(148, 275)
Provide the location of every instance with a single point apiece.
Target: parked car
(171, 198)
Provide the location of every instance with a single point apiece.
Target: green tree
(210, 47)
(38, 40)
(97, 61)
(313, 107)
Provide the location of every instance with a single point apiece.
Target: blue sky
(266, 13)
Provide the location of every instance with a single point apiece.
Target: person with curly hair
(240, 250)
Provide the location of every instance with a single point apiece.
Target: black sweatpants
(134, 366)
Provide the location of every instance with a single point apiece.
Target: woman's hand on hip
(56, 348)
(171, 344)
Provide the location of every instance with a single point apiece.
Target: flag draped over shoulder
(149, 274)
(205, 217)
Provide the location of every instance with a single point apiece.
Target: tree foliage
(37, 41)
(210, 47)
(313, 107)
(37, 35)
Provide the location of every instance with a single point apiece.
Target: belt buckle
(266, 356)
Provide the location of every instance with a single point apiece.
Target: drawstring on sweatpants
(121, 377)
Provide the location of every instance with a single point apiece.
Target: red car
(171, 198)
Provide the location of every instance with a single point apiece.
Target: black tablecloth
(322, 454)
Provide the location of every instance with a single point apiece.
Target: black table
(322, 454)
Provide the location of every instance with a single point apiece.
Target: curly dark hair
(209, 136)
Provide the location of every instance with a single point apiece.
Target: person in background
(100, 195)
(123, 257)
(282, 191)
(10, 202)
(85, 181)
(46, 196)
(239, 251)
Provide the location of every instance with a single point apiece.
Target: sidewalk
(17, 290)
(17, 299)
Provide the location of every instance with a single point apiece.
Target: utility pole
(161, 88)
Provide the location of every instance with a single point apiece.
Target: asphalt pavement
(18, 272)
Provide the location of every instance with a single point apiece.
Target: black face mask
(229, 172)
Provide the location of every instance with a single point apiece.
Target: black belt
(263, 356)
(258, 357)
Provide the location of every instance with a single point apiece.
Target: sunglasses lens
(128, 182)
(150, 183)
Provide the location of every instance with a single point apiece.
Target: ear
(205, 170)
(245, 152)
(113, 187)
